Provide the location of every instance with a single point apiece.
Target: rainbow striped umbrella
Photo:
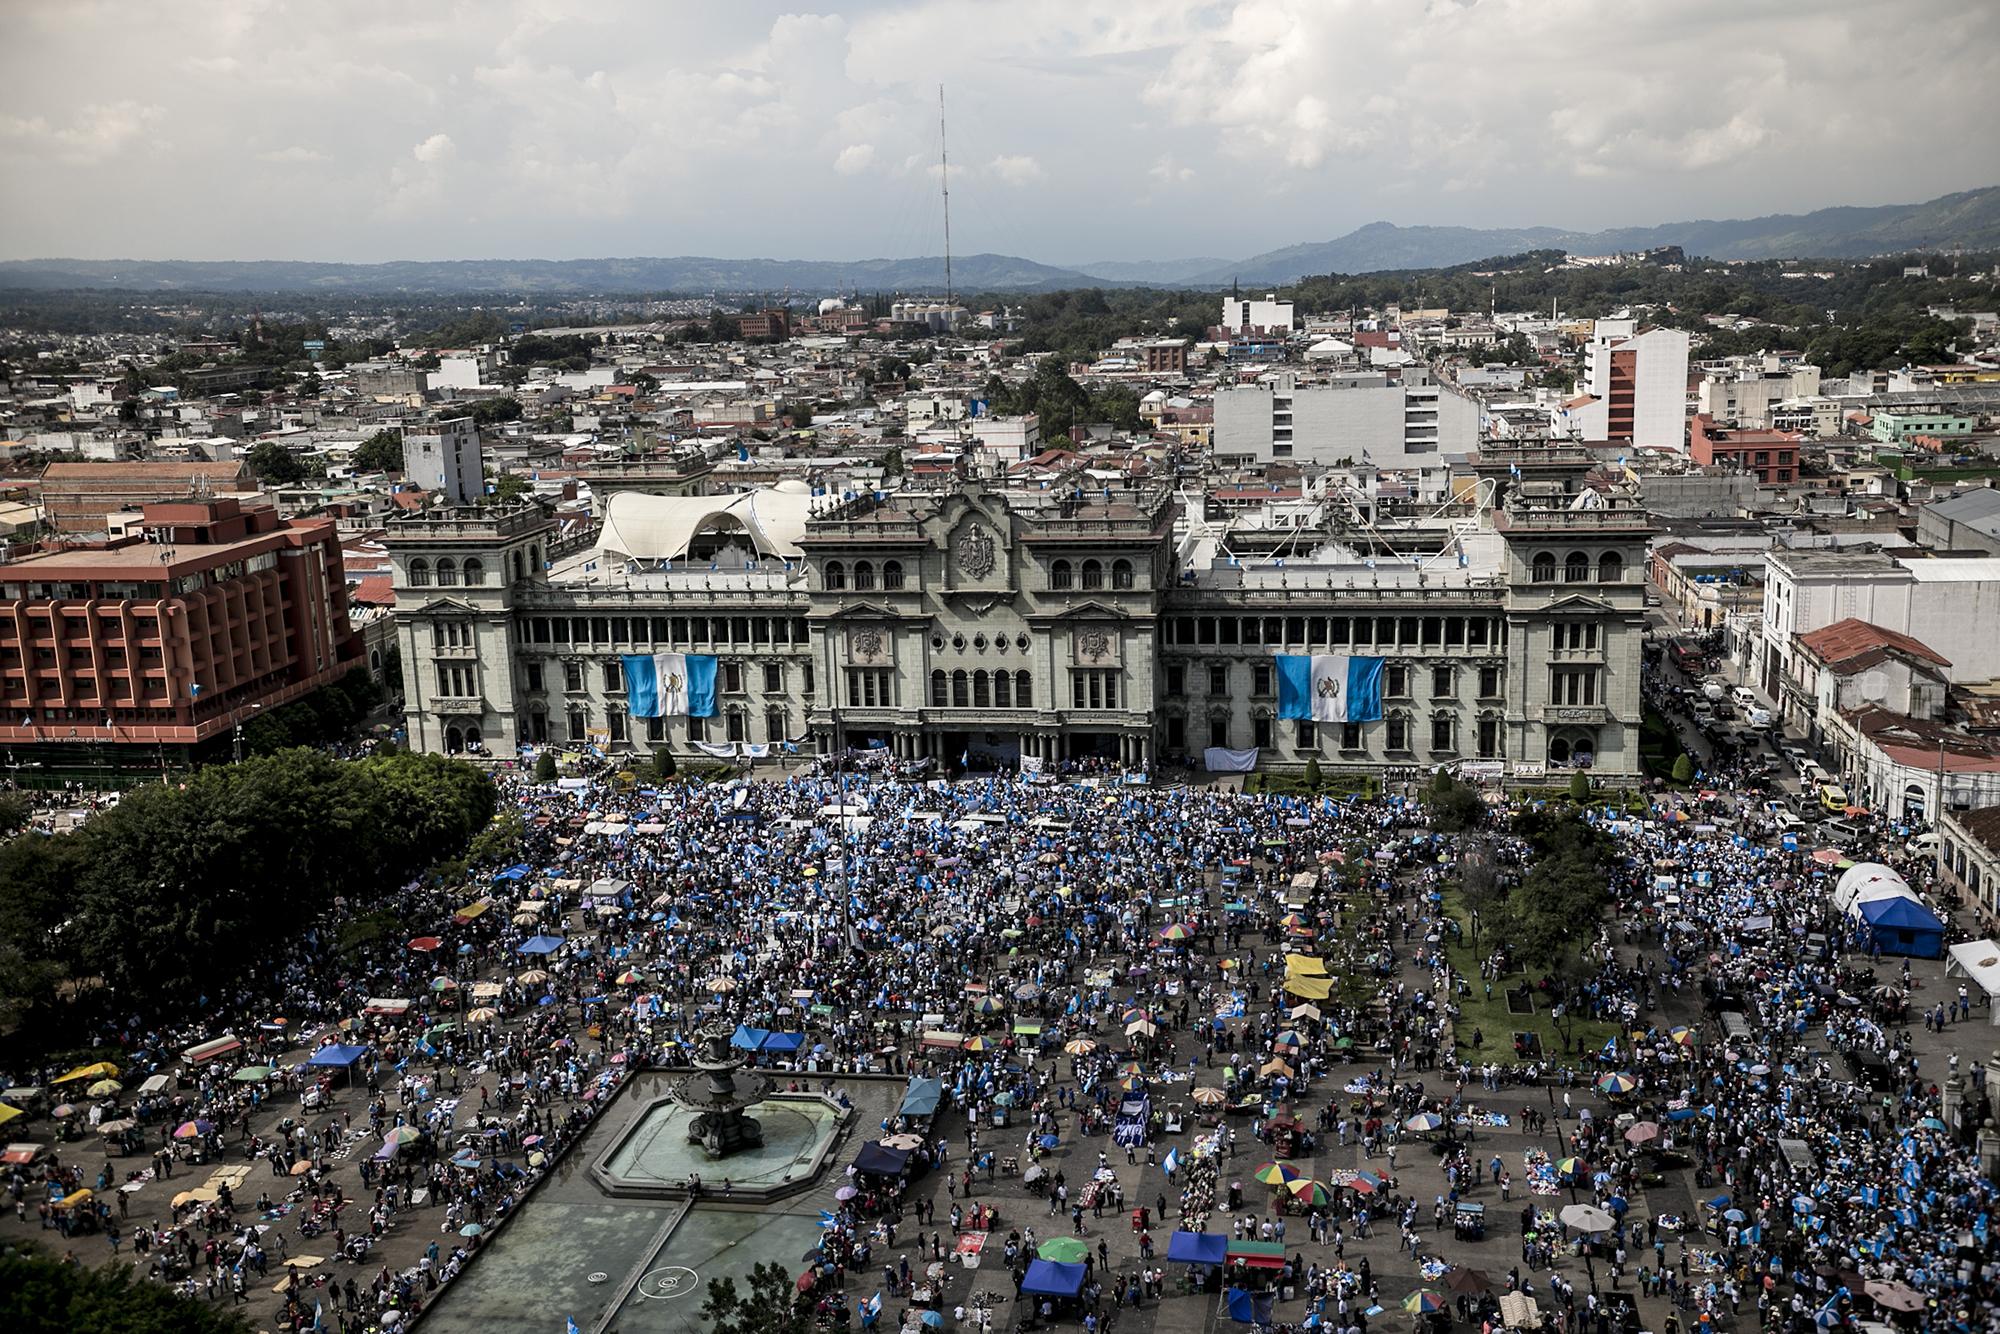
(1423, 1302)
(988, 1005)
(631, 977)
(1177, 931)
(1617, 1082)
(1279, 1174)
(1310, 1193)
(1288, 1038)
(1682, 1035)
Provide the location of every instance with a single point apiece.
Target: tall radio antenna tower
(944, 180)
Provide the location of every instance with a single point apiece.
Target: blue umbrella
(465, 949)
(1732, 1216)
(1050, 1141)
(546, 999)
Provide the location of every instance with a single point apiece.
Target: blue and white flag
(1172, 1162)
(670, 685)
(1329, 688)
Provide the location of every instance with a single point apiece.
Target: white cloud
(622, 127)
(1016, 169)
(100, 131)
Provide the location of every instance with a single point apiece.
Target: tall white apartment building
(1635, 386)
(1240, 316)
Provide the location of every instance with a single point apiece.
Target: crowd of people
(1277, 971)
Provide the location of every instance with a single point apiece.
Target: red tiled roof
(374, 591)
(1853, 638)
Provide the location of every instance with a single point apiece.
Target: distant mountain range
(1969, 220)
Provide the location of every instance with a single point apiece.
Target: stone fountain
(718, 1094)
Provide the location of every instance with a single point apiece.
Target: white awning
(1980, 961)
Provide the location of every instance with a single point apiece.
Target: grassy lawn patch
(1491, 1016)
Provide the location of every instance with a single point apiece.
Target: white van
(1743, 697)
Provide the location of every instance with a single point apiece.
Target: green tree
(768, 1304)
(1454, 807)
(381, 452)
(1313, 776)
(15, 811)
(1683, 772)
(487, 411)
(545, 767)
(42, 1295)
(275, 464)
(1579, 787)
(663, 762)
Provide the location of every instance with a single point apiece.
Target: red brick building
(1167, 356)
(171, 640)
(1772, 456)
(775, 324)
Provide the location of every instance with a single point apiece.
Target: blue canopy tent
(921, 1097)
(340, 1056)
(1249, 1308)
(518, 871)
(746, 1038)
(1197, 1248)
(1903, 926)
(775, 1041)
(880, 1160)
(1046, 1278)
(540, 945)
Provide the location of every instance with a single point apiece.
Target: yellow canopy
(9, 1113)
(1304, 965)
(73, 1199)
(94, 1070)
(1311, 988)
(473, 909)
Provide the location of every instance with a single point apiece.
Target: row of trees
(328, 714)
(183, 889)
(1052, 395)
(40, 1294)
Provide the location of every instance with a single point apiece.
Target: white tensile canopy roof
(645, 527)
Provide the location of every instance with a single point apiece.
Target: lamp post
(236, 745)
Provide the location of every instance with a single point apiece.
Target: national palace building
(976, 623)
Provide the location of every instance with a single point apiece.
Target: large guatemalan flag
(670, 685)
(1330, 688)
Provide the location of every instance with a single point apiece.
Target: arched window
(961, 691)
(1545, 567)
(475, 572)
(1059, 575)
(940, 697)
(1611, 568)
(1576, 568)
(836, 574)
(454, 741)
(420, 573)
(1121, 574)
(520, 568)
(447, 572)
(1003, 690)
(892, 574)
(864, 574)
(1559, 750)
(534, 560)
(1024, 691)
(982, 694)
(1093, 574)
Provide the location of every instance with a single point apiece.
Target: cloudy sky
(1080, 129)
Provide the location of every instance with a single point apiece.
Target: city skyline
(1081, 132)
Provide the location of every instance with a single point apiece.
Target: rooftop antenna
(944, 181)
